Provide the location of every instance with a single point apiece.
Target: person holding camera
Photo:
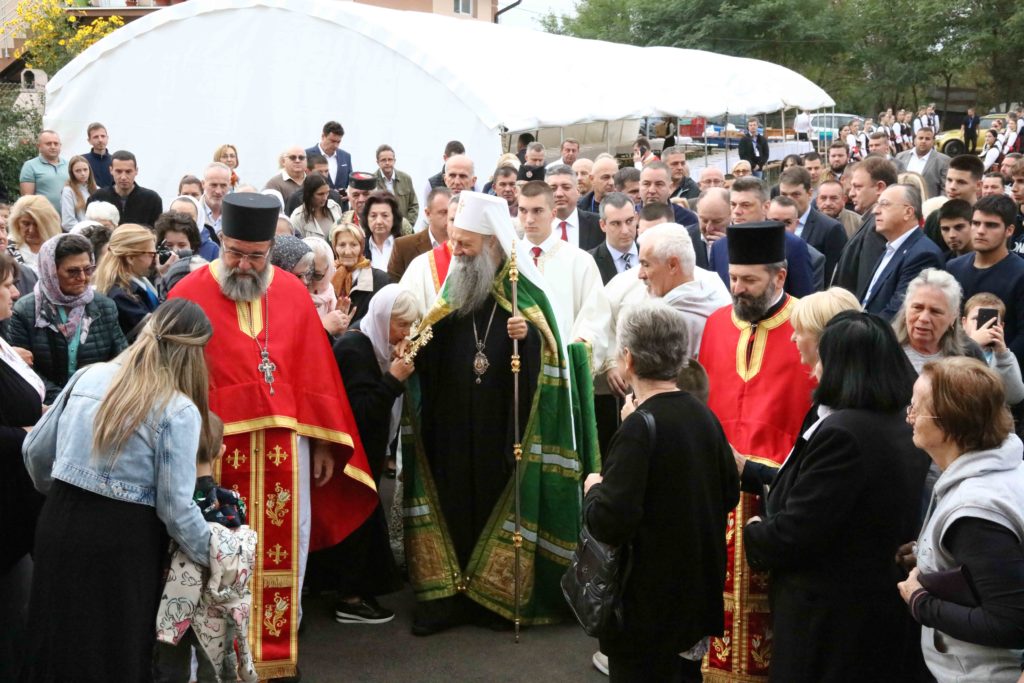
(983, 322)
(122, 276)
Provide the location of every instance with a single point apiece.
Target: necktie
(536, 254)
(565, 232)
(625, 260)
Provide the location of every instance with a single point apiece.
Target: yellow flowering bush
(54, 35)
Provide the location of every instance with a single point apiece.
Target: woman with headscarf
(293, 255)
(355, 278)
(63, 321)
(335, 318)
(373, 371)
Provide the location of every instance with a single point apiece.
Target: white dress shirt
(379, 256)
(890, 251)
(799, 232)
(619, 257)
(332, 163)
(572, 227)
(916, 164)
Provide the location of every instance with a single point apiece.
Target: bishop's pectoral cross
(267, 367)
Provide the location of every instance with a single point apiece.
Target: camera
(163, 252)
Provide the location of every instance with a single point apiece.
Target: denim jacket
(156, 466)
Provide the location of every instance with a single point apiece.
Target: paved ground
(329, 651)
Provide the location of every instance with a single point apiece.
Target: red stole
(261, 435)
(440, 260)
(760, 392)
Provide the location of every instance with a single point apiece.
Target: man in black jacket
(618, 253)
(136, 204)
(825, 234)
(754, 148)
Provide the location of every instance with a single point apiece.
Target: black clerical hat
(752, 244)
(249, 216)
(530, 173)
(362, 181)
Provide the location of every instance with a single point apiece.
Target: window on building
(464, 7)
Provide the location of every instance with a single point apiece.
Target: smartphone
(986, 314)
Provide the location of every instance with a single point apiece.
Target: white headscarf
(376, 325)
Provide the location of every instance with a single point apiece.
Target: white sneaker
(600, 661)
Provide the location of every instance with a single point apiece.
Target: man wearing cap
(274, 382)
(360, 185)
(760, 392)
(459, 502)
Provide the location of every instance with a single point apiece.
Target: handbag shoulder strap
(652, 430)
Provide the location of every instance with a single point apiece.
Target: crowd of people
(796, 404)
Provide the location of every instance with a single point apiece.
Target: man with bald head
(583, 168)
(714, 214)
(712, 176)
(216, 184)
(459, 173)
(602, 182)
(293, 172)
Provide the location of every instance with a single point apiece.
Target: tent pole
(725, 134)
(783, 125)
(705, 143)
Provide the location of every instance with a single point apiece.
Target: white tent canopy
(266, 74)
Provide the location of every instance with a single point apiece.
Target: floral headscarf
(49, 296)
(323, 291)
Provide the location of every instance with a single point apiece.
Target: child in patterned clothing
(173, 663)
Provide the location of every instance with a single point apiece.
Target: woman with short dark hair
(383, 225)
(667, 491)
(64, 322)
(974, 524)
(837, 511)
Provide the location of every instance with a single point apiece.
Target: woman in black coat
(668, 494)
(370, 360)
(836, 512)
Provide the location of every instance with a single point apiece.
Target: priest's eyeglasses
(912, 413)
(255, 258)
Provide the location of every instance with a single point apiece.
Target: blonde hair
(167, 359)
(127, 241)
(742, 164)
(509, 159)
(219, 152)
(914, 179)
(41, 211)
(346, 229)
(90, 183)
(813, 312)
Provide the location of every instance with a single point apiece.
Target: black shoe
(435, 616)
(366, 611)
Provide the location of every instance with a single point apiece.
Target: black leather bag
(597, 575)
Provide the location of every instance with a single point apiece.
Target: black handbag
(597, 575)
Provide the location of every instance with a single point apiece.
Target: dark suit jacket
(746, 150)
(405, 249)
(859, 257)
(605, 262)
(344, 167)
(684, 216)
(591, 234)
(799, 275)
(837, 511)
(827, 235)
(699, 248)
(916, 254)
(587, 203)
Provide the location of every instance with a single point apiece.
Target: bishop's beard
(470, 281)
(245, 286)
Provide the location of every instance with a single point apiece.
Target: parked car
(951, 142)
(826, 126)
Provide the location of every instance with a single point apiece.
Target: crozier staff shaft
(517, 446)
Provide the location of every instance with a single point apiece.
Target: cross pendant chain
(267, 367)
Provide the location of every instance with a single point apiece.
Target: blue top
(156, 465)
(49, 178)
(799, 277)
(100, 165)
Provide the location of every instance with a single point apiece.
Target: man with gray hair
(908, 250)
(570, 150)
(682, 184)
(579, 228)
(216, 184)
(667, 263)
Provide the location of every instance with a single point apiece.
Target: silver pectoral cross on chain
(267, 367)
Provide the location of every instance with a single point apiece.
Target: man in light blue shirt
(47, 173)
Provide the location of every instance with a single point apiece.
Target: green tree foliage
(19, 126)
(868, 54)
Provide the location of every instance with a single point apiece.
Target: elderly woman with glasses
(334, 313)
(63, 321)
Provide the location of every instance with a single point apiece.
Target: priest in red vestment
(287, 420)
(760, 392)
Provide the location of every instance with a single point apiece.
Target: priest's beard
(245, 286)
(470, 281)
(752, 308)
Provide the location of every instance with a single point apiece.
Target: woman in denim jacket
(116, 458)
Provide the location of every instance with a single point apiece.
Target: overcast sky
(529, 12)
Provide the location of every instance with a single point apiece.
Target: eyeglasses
(305, 276)
(297, 157)
(79, 273)
(913, 414)
(253, 258)
(317, 277)
(885, 203)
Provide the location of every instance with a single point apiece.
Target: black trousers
(971, 141)
(651, 667)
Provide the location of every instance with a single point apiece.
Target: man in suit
(908, 250)
(831, 201)
(818, 230)
(754, 148)
(748, 203)
(969, 129)
(397, 183)
(714, 214)
(408, 247)
(656, 188)
(602, 181)
(924, 159)
(339, 161)
(505, 185)
(784, 210)
(856, 265)
(618, 253)
(579, 228)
